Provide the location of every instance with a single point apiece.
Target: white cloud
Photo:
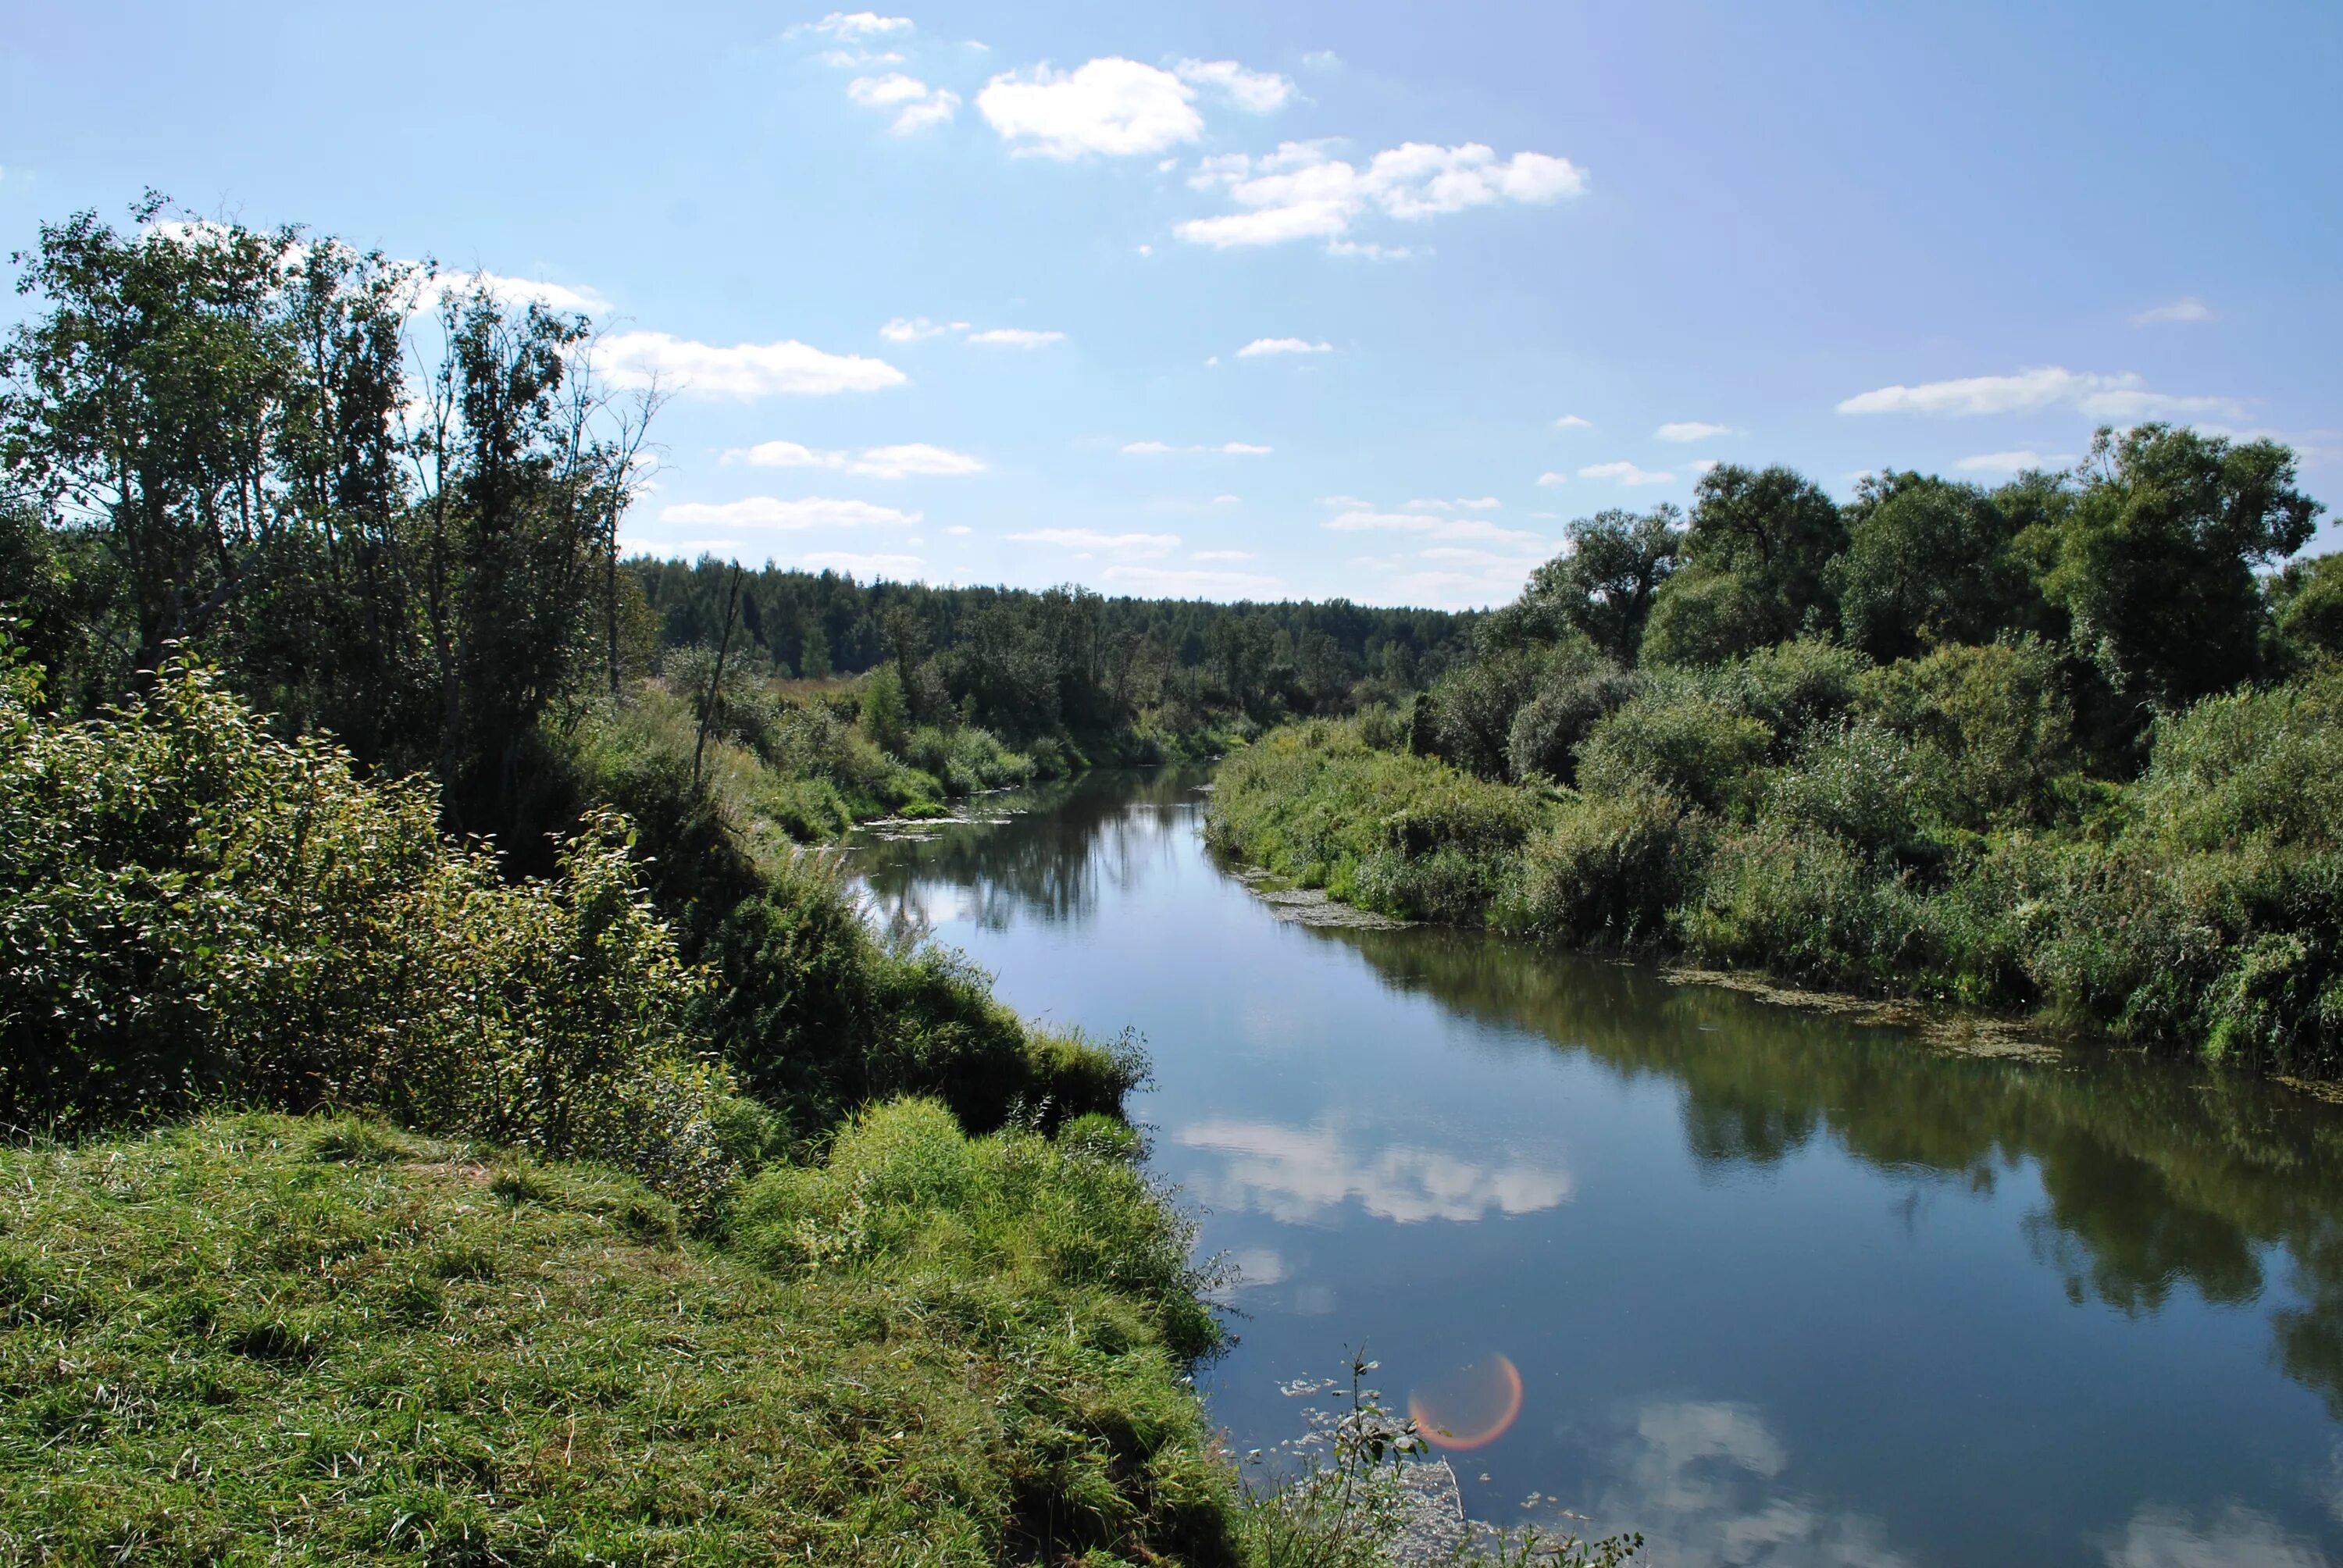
(1703, 465)
(863, 566)
(1228, 500)
(1265, 345)
(1016, 337)
(2098, 397)
(1091, 539)
(1220, 554)
(1348, 503)
(1572, 422)
(1302, 191)
(1550, 478)
(2188, 308)
(897, 462)
(859, 59)
(1432, 527)
(787, 369)
(1373, 252)
(886, 92)
(920, 106)
(1624, 474)
(1478, 504)
(911, 329)
(852, 26)
(768, 512)
(1164, 449)
(2014, 462)
(1181, 583)
(1298, 1173)
(1323, 60)
(1693, 430)
(433, 288)
(1110, 106)
(1255, 92)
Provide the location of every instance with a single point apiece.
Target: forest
(2069, 748)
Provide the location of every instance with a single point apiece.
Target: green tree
(2155, 560)
(1753, 566)
(1603, 587)
(1927, 562)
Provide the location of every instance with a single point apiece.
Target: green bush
(192, 911)
(1679, 740)
(1608, 872)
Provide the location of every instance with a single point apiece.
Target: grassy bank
(269, 1339)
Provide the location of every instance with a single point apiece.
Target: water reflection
(2238, 1537)
(1066, 840)
(1705, 1481)
(1301, 1174)
(2158, 1175)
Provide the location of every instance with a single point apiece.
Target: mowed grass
(266, 1339)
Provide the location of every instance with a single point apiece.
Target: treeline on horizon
(2066, 746)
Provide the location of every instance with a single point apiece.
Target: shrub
(1547, 731)
(1608, 872)
(1809, 906)
(1991, 725)
(1678, 740)
(192, 911)
(1856, 781)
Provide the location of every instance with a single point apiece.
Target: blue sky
(1306, 299)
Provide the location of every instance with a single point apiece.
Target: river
(1767, 1285)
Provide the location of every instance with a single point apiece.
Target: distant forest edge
(2067, 746)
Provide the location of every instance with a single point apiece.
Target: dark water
(1777, 1289)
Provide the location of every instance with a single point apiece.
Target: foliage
(192, 911)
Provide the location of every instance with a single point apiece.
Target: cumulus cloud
(1220, 554)
(1164, 449)
(1463, 504)
(918, 105)
(2098, 397)
(768, 512)
(1302, 191)
(1300, 1173)
(1348, 503)
(910, 458)
(1572, 422)
(1703, 465)
(1016, 337)
(1323, 60)
(1092, 540)
(1265, 345)
(430, 289)
(745, 371)
(1255, 92)
(1550, 478)
(1111, 106)
(1693, 430)
(2188, 308)
(1624, 474)
(1179, 582)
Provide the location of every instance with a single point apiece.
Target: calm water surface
(1776, 1289)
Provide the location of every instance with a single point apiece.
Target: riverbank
(357, 1342)
(2198, 909)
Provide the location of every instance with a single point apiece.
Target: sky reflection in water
(1776, 1290)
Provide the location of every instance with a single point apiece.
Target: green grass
(265, 1339)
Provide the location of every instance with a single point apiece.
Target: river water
(1769, 1286)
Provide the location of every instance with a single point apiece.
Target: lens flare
(1471, 1407)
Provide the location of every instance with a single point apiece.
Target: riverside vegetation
(2054, 747)
(456, 1121)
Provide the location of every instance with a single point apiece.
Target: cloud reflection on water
(1299, 1173)
(1700, 1478)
